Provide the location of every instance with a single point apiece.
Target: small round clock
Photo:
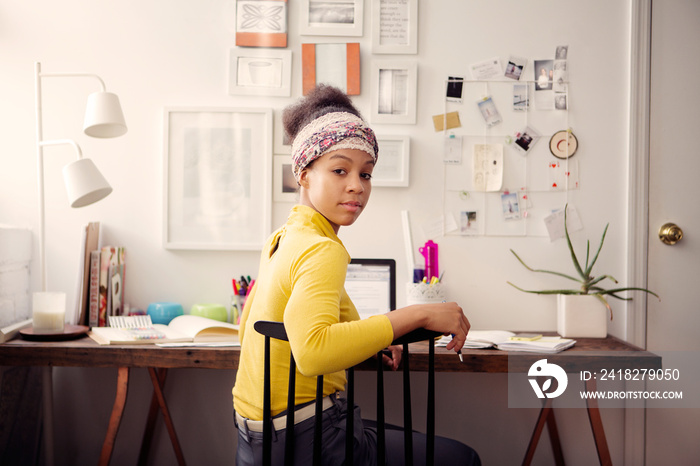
(563, 144)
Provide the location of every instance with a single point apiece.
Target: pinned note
(488, 167)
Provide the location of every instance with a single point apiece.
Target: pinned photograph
(560, 76)
(455, 85)
(560, 101)
(511, 206)
(489, 111)
(562, 52)
(525, 139)
(544, 75)
(515, 67)
(521, 97)
(468, 223)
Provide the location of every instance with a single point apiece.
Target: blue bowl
(163, 313)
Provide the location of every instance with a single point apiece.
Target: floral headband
(332, 131)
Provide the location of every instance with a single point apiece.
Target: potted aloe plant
(582, 312)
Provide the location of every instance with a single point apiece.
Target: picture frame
(216, 178)
(395, 27)
(265, 72)
(393, 92)
(334, 64)
(284, 185)
(331, 18)
(261, 23)
(392, 169)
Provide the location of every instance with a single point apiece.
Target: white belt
(279, 423)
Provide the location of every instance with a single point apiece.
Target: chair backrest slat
(276, 330)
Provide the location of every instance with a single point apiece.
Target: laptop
(371, 285)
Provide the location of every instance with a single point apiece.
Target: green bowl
(211, 311)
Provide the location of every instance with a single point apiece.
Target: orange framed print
(334, 64)
(261, 23)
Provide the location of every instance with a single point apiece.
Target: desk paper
(488, 167)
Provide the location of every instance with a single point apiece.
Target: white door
(674, 193)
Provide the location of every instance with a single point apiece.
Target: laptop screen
(371, 285)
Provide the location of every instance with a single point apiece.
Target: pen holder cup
(424, 293)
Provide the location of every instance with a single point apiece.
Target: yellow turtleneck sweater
(301, 283)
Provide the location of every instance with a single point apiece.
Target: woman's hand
(395, 359)
(446, 318)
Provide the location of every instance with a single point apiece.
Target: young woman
(301, 283)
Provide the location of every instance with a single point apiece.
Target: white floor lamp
(84, 184)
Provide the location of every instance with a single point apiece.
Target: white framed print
(331, 18)
(395, 26)
(284, 185)
(392, 167)
(217, 178)
(393, 92)
(260, 72)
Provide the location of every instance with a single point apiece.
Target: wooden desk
(610, 353)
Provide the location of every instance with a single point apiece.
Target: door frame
(638, 211)
(638, 172)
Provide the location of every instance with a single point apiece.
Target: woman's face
(337, 185)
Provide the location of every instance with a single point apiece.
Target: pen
(459, 352)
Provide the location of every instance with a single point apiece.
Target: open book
(500, 339)
(182, 329)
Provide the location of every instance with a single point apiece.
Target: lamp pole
(107, 121)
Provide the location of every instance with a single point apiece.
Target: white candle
(48, 312)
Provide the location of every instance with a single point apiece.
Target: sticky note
(451, 119)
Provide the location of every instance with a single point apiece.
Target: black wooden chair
(277, 331)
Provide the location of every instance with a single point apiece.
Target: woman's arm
(447, 318)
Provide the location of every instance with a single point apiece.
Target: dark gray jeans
(447, 451)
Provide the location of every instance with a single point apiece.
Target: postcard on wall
(487, 69)
(489, 111)
(515, 67)
(555, 222)
(488, 167)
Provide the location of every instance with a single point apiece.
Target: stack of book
(101, 280)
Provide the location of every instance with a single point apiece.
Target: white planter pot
(581, 316)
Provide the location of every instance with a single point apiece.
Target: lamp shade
(103, 116)
(84, 183)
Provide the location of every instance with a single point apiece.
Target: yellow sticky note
(451, 119)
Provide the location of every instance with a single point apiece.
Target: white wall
(161, 53)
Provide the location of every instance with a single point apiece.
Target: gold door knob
(670, 233)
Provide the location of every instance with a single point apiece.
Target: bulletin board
(509, 149)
